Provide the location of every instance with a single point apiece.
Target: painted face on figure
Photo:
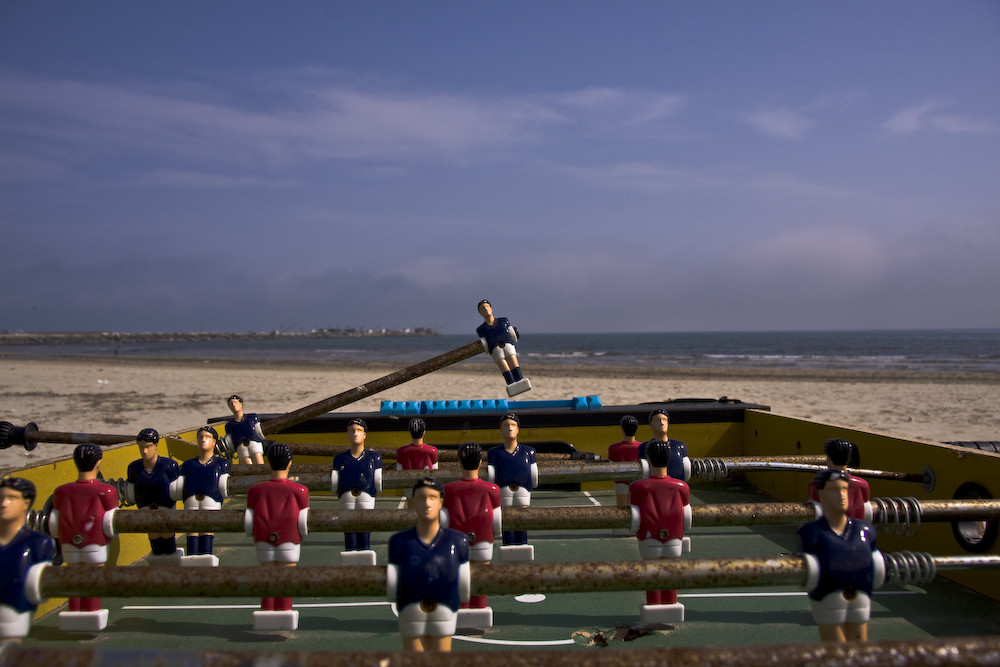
(205, 441)
(486, 310)
(659, 424)
(509, 429)
(236, 407)
(356, 435)
(426, 503)
(13, 505)
(147, 450)
(833, 496)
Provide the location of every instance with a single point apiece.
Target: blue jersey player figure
(202, 485)
(243, 433)
(24, 553)
(844, 563)
(498, 336)
(428, 576)
(147, 486)
(679, 466)
(512, 467)
(356, 479)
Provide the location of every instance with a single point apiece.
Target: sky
(586, 166)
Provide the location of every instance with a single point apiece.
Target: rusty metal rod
(289, 419)
(935, 652)
(710, 470)
(530, 518)
(493, 579)
(550, 473)
(29, 436)
(448, 457)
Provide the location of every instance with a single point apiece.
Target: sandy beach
(122, 396)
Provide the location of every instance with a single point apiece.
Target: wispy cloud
(932, 116)
(780, 122)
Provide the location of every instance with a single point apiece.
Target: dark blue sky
(636, 166)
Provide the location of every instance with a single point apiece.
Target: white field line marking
(592, 498)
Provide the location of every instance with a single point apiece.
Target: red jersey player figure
(623, 452)
(275, 518)
(498, 336)
(472, 506)
(844, 563)
(661, 512)
(24, 553)
(417, 455)
(81, 518)
(838, 456)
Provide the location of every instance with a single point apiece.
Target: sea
(938, 350)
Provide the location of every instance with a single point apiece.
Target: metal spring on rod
(910, 568)
(709, 470)
(898, 515)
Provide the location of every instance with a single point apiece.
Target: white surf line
(515, 642)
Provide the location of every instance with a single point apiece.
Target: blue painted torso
(845, 560)
(428, 570)
(153, 488)
(203, 479)
(357, 473)
(512, 468)
(16, 557)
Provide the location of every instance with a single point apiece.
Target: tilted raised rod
(289, 419)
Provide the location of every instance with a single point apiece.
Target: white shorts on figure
(286, 552)
(504, 350)
(519, 498)
(91, 554)
(652, 549)
(14, 625)
(206, 503)
(349, 501)
(252, 447)
(481, 551)
(415, 622)
(835, 609)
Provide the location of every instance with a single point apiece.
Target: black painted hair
(86, 456)
(825, 476)
(658, 453)
(148, 435)
(430, 483)
(839, 451)
(417, 427)
(629, 425)
(279, 455)
(470, 455)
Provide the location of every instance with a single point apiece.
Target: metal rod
(29, 436)
(289, 419)
(773, 466)
(526, 518)
(937, 652)
(493, 579)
